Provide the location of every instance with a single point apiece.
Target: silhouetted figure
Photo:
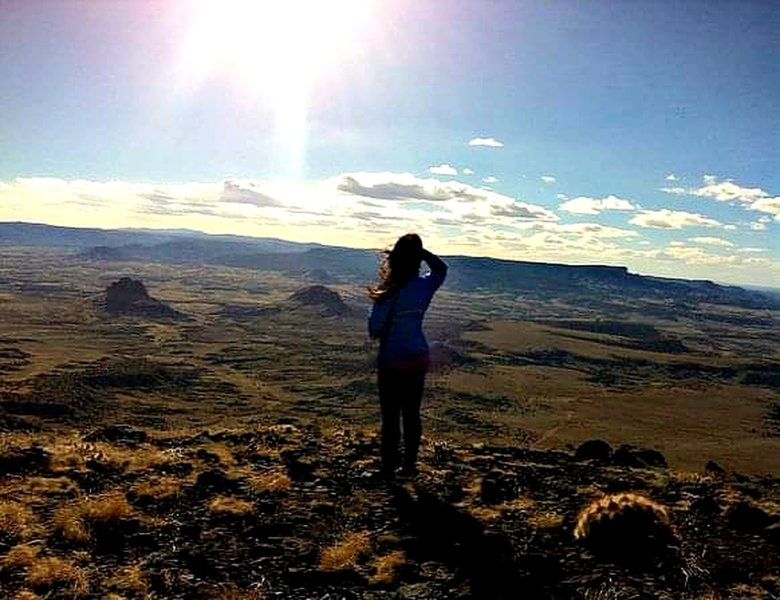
(400, 300)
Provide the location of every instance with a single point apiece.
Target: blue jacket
(397, 320)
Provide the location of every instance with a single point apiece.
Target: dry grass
(53, 573)
(229, 505)
(386, 567)
(233, 592)
(159, 488)
(26, 595)
(17, 521)
(545, 520)
(19, 558)
(346, 553)
(73, 522)
(224, 453)
(73, 453)
(488, 513)
(273, 480)
(51, 486)
(130, 580)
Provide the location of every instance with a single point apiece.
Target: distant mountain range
(359, 266)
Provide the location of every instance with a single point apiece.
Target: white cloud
(443, 169)
(758, 226)
(672, 219)
(768, 205)
(547, 179)
(753, 198)
(490, 179)
(465, 202)
(751, 250)
(487, 142)
(582, 205)
(468, 171)
(712, 241)
(671, 177)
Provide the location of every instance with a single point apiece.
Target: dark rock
(497, 487)
(207, 456)
(772, 533)
(652, 458)
(179, 468)
(706, 505)
(215, 481)
(323, 508)
(749, 518)
(15, 460)
(298, 468)
(123, 434)
(598, 450)
(713, 468)
(638, 458)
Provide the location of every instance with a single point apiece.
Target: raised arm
(438, 269)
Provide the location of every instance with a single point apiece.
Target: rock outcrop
(319, 299)
(129, 297)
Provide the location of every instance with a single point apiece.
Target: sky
(642, 133)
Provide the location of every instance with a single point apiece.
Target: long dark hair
(397, 266)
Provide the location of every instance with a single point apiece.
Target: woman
(400, 300)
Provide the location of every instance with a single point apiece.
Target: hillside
(289, 511)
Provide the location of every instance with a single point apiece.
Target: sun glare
(274, 50)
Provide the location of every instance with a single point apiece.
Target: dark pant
(400, 397)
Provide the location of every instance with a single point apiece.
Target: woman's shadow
(487, 561)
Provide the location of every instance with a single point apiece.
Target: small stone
(497, 487)
(420, 591)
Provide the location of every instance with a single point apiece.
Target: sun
(273, 49)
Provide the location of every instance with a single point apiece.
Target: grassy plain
(697, 382)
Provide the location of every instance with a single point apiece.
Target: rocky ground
(289, 511)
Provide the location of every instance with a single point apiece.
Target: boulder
(597, 450)
(638, 458)
(749, 518)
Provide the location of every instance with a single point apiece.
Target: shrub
(74, 522)
(626, 527)
(56, 573)
(17, 521)
(19, 558)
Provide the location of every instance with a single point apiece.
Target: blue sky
(642, 133)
